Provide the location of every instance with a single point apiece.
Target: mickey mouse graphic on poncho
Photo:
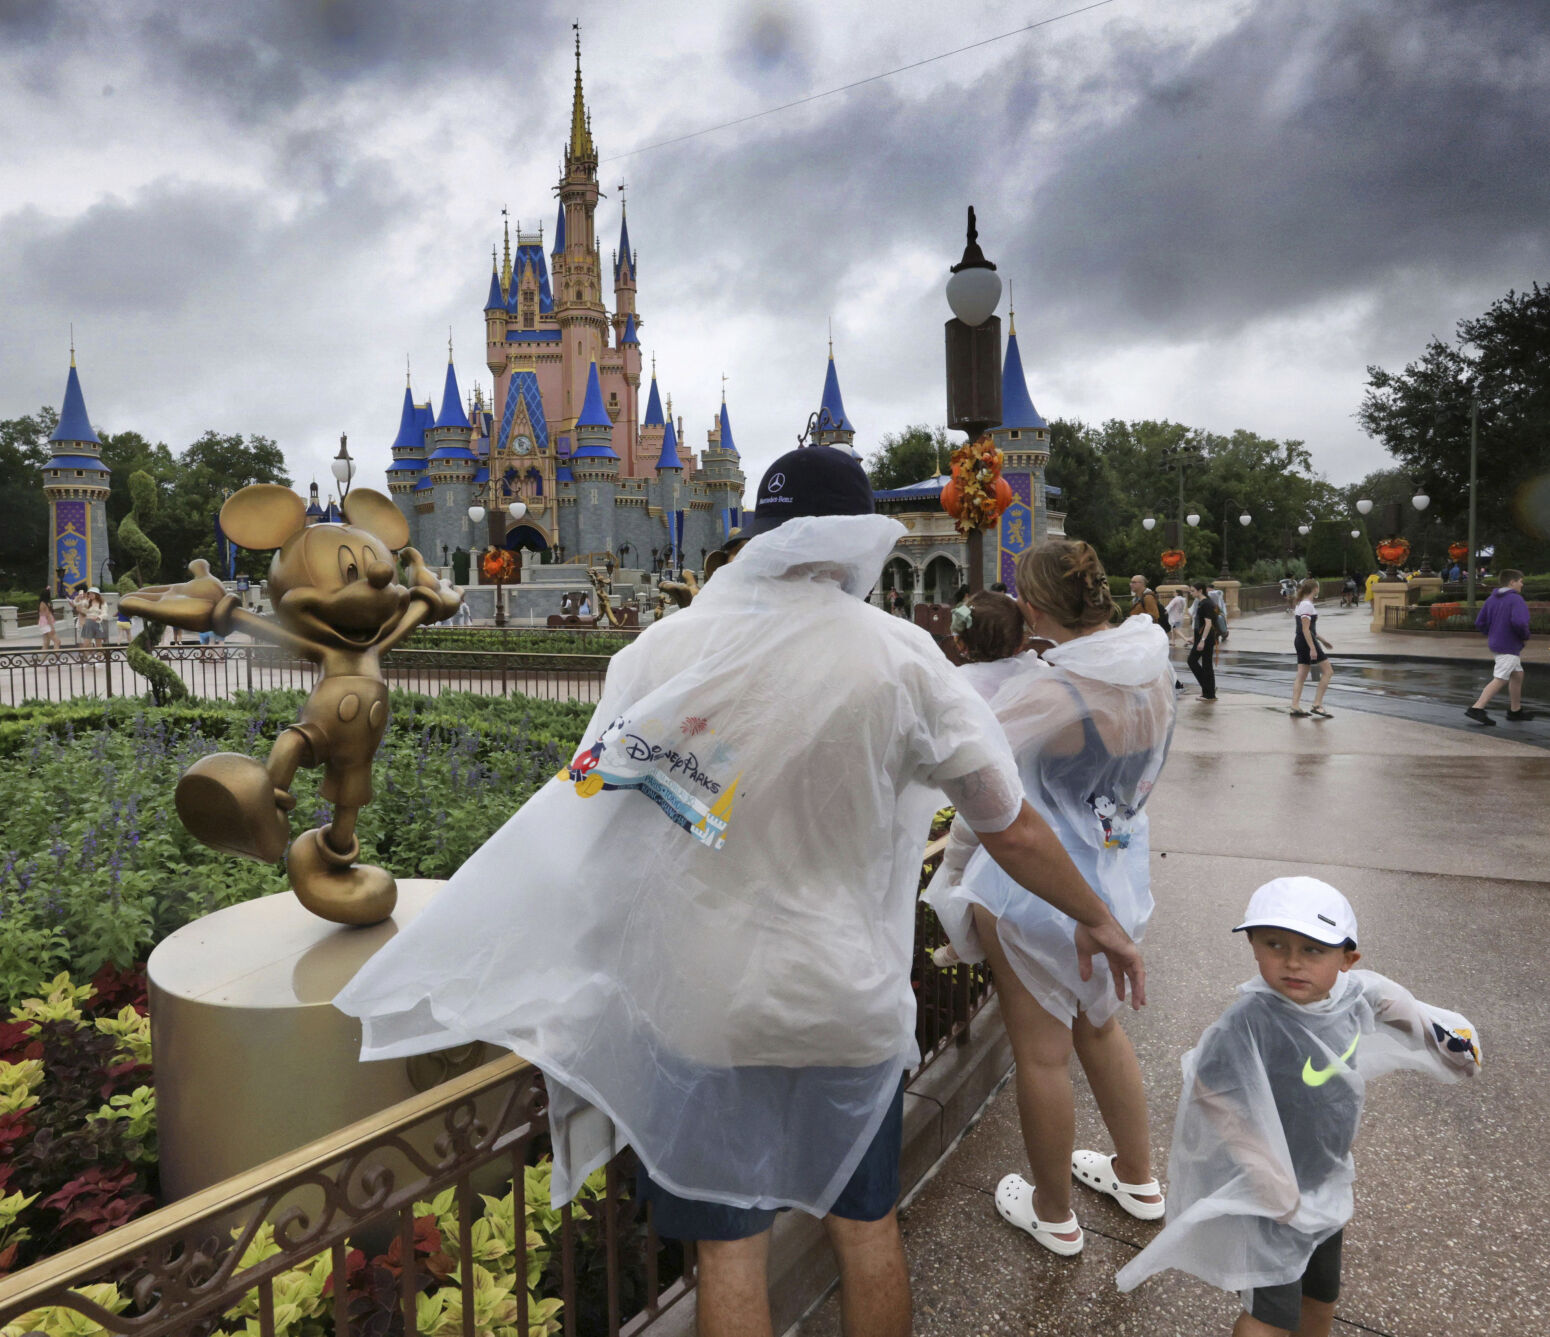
(1115, 820)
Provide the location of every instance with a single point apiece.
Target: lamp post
(1474, 441)
(973, 341)
(516, 510)
(343, 467)
(1245, 519)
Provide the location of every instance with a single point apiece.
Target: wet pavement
(1437, 834)
(1431, 691)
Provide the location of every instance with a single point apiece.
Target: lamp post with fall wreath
(977, 493)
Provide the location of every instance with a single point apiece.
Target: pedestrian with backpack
(1145, 601)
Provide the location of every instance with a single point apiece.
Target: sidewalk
(1349, 630)
(1437, 837)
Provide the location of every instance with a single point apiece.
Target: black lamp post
(1244, 519)
(973, 340)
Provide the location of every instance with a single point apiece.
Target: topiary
(165, 684)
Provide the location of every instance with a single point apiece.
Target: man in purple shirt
(1504, 620)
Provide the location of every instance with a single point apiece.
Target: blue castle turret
(834, 428)
(76, 483)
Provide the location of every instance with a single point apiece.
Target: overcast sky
(1213, 212)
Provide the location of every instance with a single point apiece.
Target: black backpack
(1162, 613)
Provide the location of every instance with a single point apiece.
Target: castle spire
(506, 251)
(451, 414)
(580, 129)
(1017, 410)
(74, 425)
(497, 298)
(653, 400)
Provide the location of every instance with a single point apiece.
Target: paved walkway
(1350, 631)
(1437, 836)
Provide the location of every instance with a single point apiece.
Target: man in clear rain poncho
(1260, 1175)
(701, 930)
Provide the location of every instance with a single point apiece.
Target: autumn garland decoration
(499, 564)
(977, 494)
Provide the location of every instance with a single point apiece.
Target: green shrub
(1270, 570)
(25, 601)
(95, 867)
(525, 642)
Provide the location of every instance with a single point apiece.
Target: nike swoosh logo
(1318, 1076)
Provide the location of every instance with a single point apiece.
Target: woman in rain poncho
(1090, 727)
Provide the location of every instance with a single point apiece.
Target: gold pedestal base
(252, 1059)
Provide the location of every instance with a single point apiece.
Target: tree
(1332, 551)
(24, 450)
(203, 476)
(911, 456)
(1422, 415)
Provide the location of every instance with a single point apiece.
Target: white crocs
(1096, 1170)
(1014, 1200)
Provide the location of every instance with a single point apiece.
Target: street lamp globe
(476, 513)
(1149, 524)
(1356, 533)
(1303, 530)
(1420, 501)
(1364, 506)
(1245, 518)
(975, 287)
(1192, 519)
(517, 510)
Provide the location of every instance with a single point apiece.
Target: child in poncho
(1260, 1173)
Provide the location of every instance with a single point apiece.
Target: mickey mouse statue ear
(378, 516)
(262, 515)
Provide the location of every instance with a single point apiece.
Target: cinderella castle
(564, 434)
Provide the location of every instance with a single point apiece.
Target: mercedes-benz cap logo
(777, 481)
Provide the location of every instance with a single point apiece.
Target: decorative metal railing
(186, 1268)
(218, 671)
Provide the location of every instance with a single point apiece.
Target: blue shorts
(870, 1195)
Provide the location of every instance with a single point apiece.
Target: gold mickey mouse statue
(336, 603)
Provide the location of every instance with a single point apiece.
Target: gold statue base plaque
(252, 1058)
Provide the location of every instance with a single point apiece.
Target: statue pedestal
(252, 1059)
(1387, 594)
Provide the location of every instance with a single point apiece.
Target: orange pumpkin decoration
(1391, 552)
(499, 564)
(1004, 494)
(1173, 559)
(1458, 551)
(952, 497)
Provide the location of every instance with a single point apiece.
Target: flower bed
(95, 868)
(78, 1158)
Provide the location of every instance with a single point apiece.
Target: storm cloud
(1215, 214)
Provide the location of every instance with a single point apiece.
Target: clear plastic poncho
(1260, 1172)
(701, 929)
(988, 676)
(1090, 728)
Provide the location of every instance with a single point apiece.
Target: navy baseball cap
(811, 480)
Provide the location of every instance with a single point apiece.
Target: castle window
(1015, 435)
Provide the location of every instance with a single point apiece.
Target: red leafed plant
(97, 1201)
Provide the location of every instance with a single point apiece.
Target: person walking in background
(1310, 648)
(1144, 600)
(47, 623)
(1504, 620)
(95, 614)
(1176, 618)
(1348, 592)
(1090, 728)
(1202, 640)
